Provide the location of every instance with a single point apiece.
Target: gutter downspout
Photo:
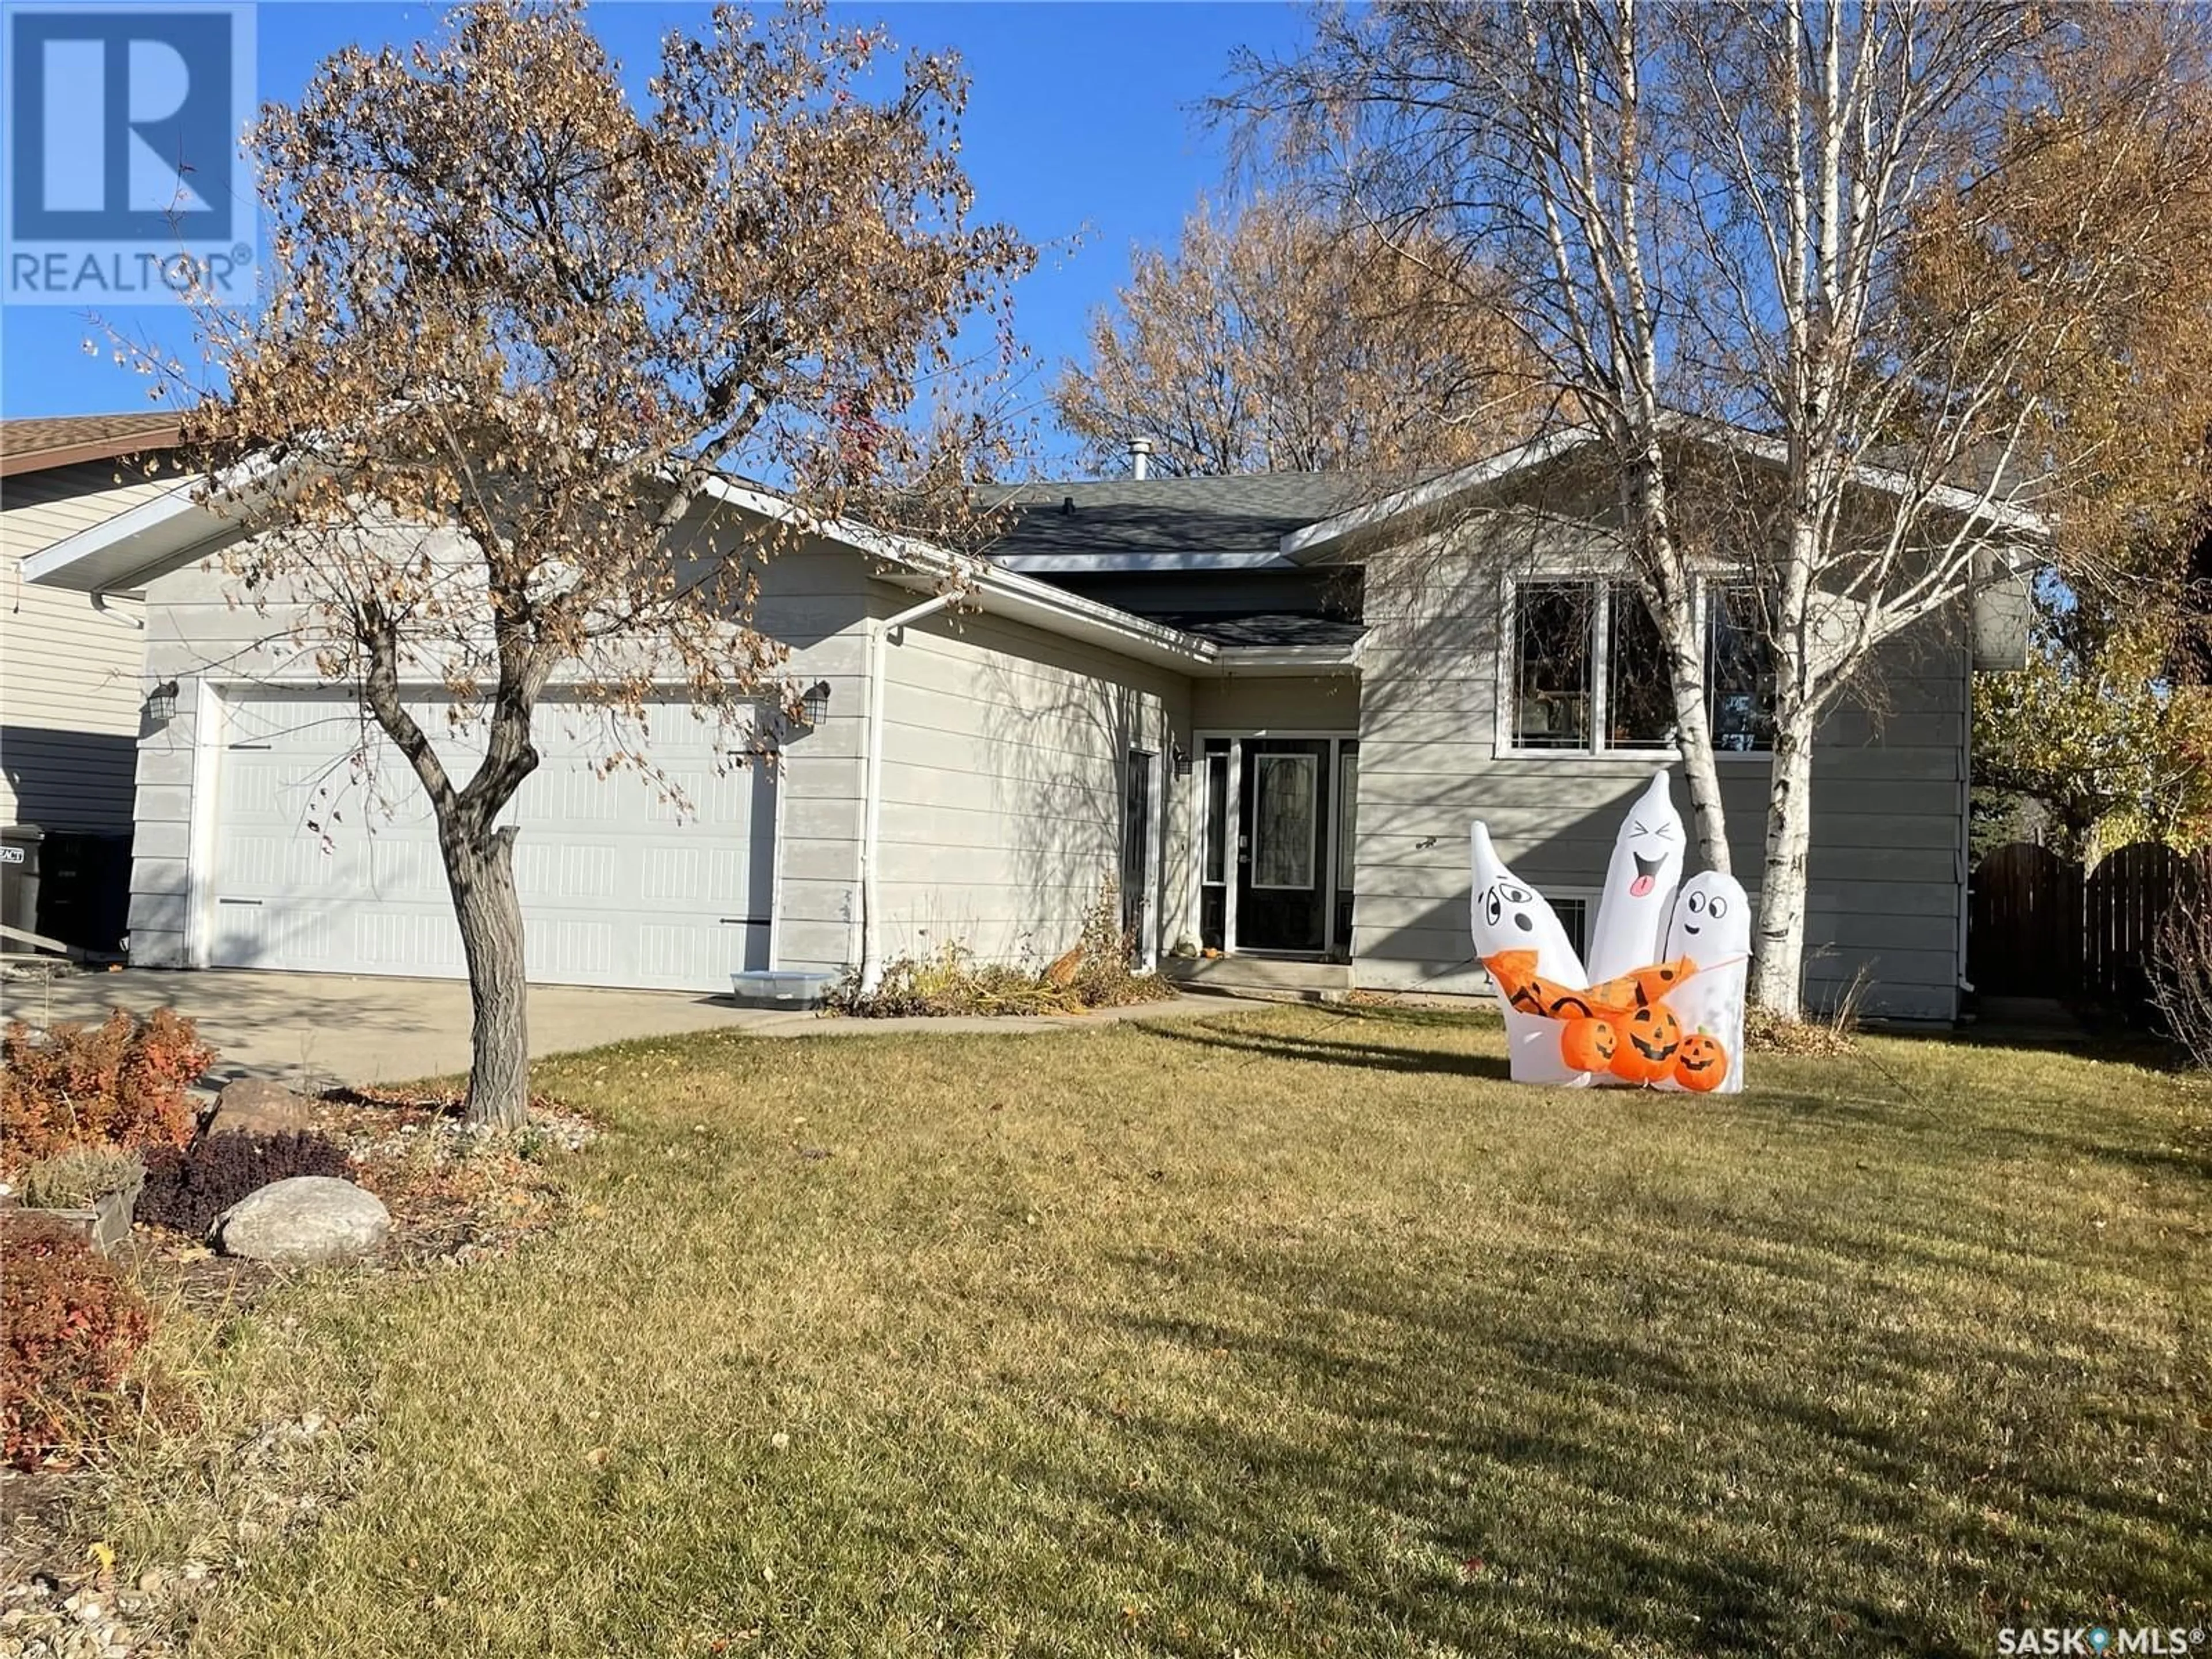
(871, 788)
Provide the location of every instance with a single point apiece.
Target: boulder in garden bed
(255, 1106)
(304, 1219)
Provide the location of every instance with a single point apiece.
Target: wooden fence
(2038, 927)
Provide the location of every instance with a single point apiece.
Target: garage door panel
(392, 940)
(327, 858)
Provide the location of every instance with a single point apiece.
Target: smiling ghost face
(1639, 884)
(1712, 921)
(1651, 848)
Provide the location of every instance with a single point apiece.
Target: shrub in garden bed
(73, 1325)
(79, 1178)
(120, 1083)
(187, 1189)
(1094, 973)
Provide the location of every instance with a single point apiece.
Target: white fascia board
(1301, 545)
(1018, 599)
(130, 550)
(1280, 661)
(1968, 503)
(172, 530)
(1079, 564)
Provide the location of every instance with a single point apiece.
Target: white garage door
(326, 854)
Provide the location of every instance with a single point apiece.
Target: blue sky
(1081, 121)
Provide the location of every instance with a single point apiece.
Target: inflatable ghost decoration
(1711, 930)
(1662, 1004)
(1638, 896)
(1512, 918)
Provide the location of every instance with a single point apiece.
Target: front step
(1267, 978)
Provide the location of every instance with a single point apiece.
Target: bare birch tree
(519, 329)
(1770, 234)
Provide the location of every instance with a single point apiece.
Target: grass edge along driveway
(1289, 1332)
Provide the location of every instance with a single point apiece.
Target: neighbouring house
(1265, 708)
(71, 682)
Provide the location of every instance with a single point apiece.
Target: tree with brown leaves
(1280, 342)
(1797, 237)
(519, 330)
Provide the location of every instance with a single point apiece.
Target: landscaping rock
(254, 1106)
(304, 1219)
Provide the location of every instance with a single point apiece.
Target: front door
(1282, 845)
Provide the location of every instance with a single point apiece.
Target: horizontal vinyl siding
(1003, 756)
(1887, 855)
(71, 673)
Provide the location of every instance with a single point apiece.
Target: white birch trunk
(1778, 984)
(1693, 729)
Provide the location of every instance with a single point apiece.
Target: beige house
(1217, 695)
(71, 686)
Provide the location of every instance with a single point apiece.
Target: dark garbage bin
(84, 889)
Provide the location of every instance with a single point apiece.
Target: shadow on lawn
(1325, 1046)
(1538, 1522)
(1672, 1435)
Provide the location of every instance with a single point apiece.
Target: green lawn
(1288, 1332)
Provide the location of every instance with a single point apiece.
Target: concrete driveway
(314, 1030)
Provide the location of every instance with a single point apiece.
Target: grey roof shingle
(1170, 516)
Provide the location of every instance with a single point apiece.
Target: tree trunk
(1671, 587)
(1778, 979)
(1693, 731)
(480, 869)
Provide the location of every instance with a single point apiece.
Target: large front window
(1553, 625)
(1590, 673)
(1739, 669)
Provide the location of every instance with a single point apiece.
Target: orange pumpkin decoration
(1588, 1045)
(1701, 1063)
(1649, 1043)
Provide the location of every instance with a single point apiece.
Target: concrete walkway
(314, 1030)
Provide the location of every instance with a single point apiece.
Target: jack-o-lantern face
(1647, 1045)
(1701, 1062)
(1589, 1045)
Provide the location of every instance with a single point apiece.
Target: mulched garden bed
(456, 1195)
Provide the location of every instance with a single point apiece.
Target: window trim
(1508, 662)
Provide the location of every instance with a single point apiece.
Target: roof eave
(22, 463)
(176, 529)
(132, 548)
(1279, 661)
(1316, 540)
(1330, 536)
(1110, 563)
(922, 566)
